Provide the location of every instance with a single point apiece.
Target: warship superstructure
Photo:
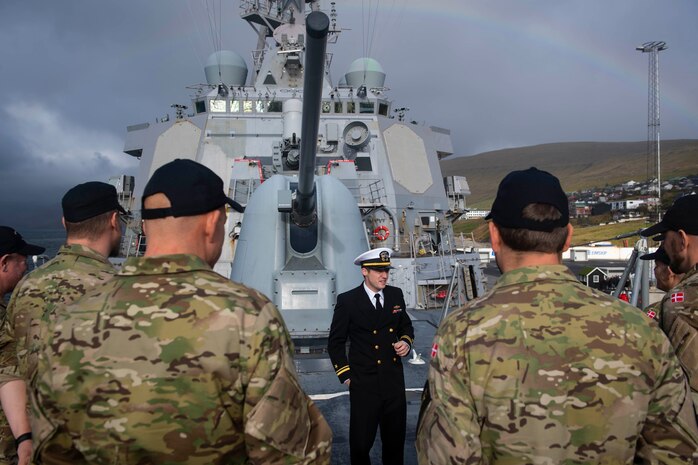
(364, 177)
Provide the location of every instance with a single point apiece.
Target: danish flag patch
(434, 350)
(677, 297)
(651, 314)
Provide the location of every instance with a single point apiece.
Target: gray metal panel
(261, 248)
(408, 158)
(265, 261)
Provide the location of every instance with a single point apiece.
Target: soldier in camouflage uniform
(15, 435)
(91, 218)
(679, 307)
(666, 279)
(171, 363)
(545, 370)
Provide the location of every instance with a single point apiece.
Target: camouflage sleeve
(282, 424)
(654, 311)
(670, 434)
(679, 320)
(8, 350)
(449, 429)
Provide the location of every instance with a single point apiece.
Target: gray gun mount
(326, 170)
(299, 252)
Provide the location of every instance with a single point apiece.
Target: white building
(626, 204)
(476, 214)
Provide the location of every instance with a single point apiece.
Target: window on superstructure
(275, 106)
(217, 105)
(338, 107)
(261, 106)
(247, 106)
(201, 106)
(383, 109)
(235, 106)
(363, 164)
(326, 107)
(366, 107)
(351, 107)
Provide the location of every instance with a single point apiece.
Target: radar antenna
(401, 112)
(179, 110)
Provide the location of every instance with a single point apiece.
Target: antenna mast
(653, 151)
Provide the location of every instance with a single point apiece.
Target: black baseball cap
(521, 188)
(658, 255)
(88, 200)
(682, 215)
(11, 242)
(192, 189)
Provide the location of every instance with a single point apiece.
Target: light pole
(653, 150)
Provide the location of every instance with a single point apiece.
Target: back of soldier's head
(180, 191)
(681, 216)
(88, 208)
(531, 212)
(191, 188)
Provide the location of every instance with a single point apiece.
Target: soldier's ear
(211, 224)
(683, 239)
(495, 238)
(114, 220)
(568, 242)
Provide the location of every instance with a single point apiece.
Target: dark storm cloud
(499, 74)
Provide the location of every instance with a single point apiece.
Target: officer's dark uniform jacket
(371, 333)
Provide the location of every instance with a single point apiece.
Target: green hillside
(476, 229)
(579, 165)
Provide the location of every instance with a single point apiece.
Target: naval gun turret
(301, 233)
(366, 177)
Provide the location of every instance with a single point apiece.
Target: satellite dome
(365, 71)
(226, 67)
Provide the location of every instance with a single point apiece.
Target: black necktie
(379, 307)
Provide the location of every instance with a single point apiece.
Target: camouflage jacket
(679, 320)
(71, 273)
(169, 362)
(545, 370)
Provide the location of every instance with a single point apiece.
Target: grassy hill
(477, 230)
(578, 165)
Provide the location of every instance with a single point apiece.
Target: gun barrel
(317, 27)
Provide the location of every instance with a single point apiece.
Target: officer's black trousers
(370, 409)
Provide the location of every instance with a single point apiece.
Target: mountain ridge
(578, 165)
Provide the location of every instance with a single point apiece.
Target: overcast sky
(498, 73)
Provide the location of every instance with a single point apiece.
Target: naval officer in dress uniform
(373, 318)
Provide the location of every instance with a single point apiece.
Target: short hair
(527, 240)
(91, 228)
